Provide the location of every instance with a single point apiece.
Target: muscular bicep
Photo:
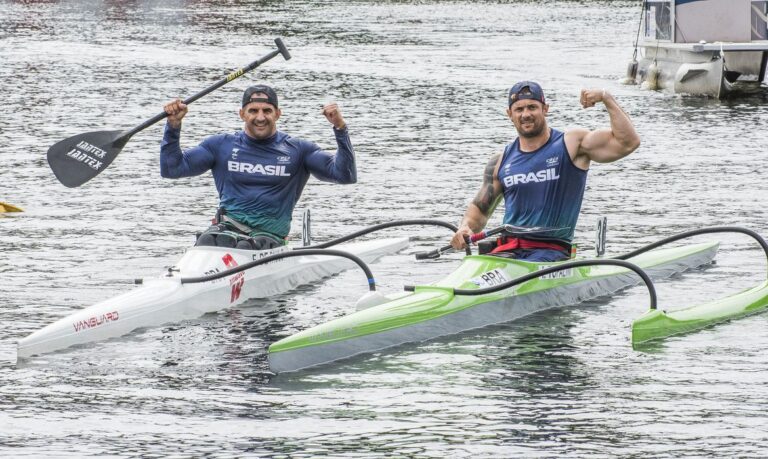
(601, 146)
(489, 195)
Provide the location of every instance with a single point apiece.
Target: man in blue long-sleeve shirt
(259, 172)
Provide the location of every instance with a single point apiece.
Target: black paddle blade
(80, 158)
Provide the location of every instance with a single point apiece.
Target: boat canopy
(698, 21)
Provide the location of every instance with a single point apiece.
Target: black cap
(257, 93)
(525, 90)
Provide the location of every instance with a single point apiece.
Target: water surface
(422, 86)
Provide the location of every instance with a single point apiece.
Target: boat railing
(381, 226)
(697, 232)
(556, 268)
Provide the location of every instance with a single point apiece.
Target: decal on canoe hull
(237, 280)
(490, 278)
(96, 321)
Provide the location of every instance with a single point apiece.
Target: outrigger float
(211, 279)
(658, 324)
(487, 290)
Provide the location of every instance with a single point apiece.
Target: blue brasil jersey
(259, 181)
(542, 187)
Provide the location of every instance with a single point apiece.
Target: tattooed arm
(481, 208)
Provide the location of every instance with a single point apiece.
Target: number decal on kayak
(237, 280)
(490, 278)
(564, 274)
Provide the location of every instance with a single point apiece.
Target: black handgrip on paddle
(432, 254)
(281, 49)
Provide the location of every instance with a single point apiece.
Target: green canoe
(433, 311)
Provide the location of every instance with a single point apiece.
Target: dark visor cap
(525, 90)
(257, 94)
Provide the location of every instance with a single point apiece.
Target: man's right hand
(176, 111)
(459, 238)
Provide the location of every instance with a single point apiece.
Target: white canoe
(165, 299)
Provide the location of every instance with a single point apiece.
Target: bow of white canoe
(166, 299)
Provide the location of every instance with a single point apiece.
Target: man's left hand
(333, 113)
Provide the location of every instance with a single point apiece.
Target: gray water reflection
(422, 86)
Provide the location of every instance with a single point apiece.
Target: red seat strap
(505, 244)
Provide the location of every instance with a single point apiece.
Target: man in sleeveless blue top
(259, 172)
(543, 173)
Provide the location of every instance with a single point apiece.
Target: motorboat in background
(713, 44)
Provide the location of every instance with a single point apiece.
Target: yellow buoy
(5, 207)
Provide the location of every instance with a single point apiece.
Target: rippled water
(422, 85)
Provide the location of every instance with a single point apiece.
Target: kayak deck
(657, 324)
(434, 311)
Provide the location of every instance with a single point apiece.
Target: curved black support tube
(687, 234)
(279, 256)
(382, 226)
(616, 261)
(561, 267)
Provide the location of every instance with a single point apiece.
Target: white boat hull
(165, 299)
(684, 69)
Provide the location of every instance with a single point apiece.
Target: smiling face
(260, 118)
(529, 117)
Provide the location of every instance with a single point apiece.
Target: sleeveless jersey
(542, 187)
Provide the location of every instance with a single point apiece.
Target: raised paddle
(77, 159)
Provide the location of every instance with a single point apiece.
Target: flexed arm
(338, 168)
(482, 206)
(603, 145)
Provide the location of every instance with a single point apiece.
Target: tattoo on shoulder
(488, 196)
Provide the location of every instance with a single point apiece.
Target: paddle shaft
(472, 238)
(468, 240)
(281, 49)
